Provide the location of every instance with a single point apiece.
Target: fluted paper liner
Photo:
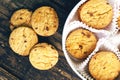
(100, 34)
(108, 38)
(74, 15)
(103, 45)
(112, 27)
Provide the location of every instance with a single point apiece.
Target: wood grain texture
(19, 67)
(5, 75)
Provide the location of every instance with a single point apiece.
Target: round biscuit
(95, 13)
(104, 65)
(21, 17)
(22, 39)
(45, 21)
(43, 56)
(80, 43)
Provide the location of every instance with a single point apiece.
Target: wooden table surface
(15, 67)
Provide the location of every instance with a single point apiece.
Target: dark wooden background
(15, 67)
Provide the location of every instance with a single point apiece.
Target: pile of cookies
(91, 40)
(26, 26)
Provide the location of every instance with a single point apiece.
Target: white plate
(73, 16)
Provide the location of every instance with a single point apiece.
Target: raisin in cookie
(104, 65)
(80, 43)
(43, 56)
(96, 13)
(20, 17)
(22, 39)
(45, 21)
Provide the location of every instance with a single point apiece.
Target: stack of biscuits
(94, 17)
(26, 26)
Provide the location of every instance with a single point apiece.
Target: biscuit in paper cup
(75, 25)
(107, 54)
(103, 46)
(72, 23)
(74, 15)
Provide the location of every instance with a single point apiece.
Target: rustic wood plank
(5, 75)
(20, 66)
(56, 40)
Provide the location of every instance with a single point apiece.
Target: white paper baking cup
(103, 45)
(107, 38)
(100, 34)
(113, 27)
(74, 15)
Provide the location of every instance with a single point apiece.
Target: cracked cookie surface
(95, 13)
(22, 39)
(80, 43)
(45, 21)
(104, 65)
(43, 56)
(20, 17)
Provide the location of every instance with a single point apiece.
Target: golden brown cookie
(45, 21)
(105, 1)
(22, 39)
(20, 17)
(118, 21)
(95, 13)
(104, 65)
(43, 56)
(80, 43)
